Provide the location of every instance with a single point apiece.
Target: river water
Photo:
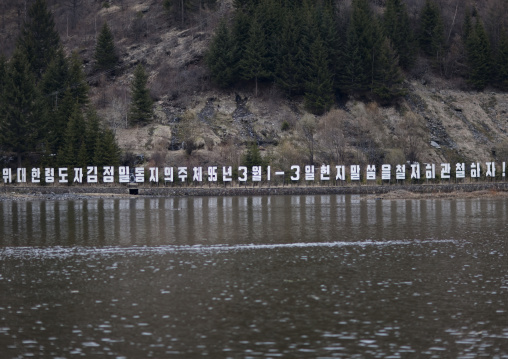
(254, 277)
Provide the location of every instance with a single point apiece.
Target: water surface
(263, 277)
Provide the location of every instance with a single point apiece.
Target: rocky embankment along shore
(492, 189)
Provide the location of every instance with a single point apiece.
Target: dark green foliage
(93, 130)
(39, 40)
(431, 30)
(73, 140)
(220, 57)
(252, 157)
(333, 42)
(388, 79)
(290, 71)
(479, 56)
(3, 80)
(18, 117)
(362, 48)
(352, 76)
(105, 52)
(319, 87)
(501, 73)
(274, 40)
(62, 87)
(180, 10)
(3, 73)
(53, 83)
(397, 28)
(141, 110)
(468, 25)
(268, 15)
(107, 152)
(239, 39)
(255, 62)
(76, 80)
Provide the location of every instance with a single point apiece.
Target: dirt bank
(389, 192)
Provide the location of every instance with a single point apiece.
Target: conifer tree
(105, 52)
(388, 79)
(3, 79)
(57, 125)
(352, 76)
(92, 132)
(362, 49)
(82, 160)
(76, 80)
(220, 57)
(3, 73)
(331, 39)
(268, 15)
(467, 27)
(431, 30)
(53, 83)
(72, 142)
(479, 56)
(397, 28)
(255, 61)
(252, 157)
(141, 109)
(502, 62)
(39, 39)
(107, 152)
(17, 118)
(290, 70)
(239, 39)
(319, 87)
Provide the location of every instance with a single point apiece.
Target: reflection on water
(254, 277)
(233, 220)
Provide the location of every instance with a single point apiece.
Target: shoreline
(418, 191)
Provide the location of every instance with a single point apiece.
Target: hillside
(198, 123)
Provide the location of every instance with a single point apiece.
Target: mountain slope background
(439, 119)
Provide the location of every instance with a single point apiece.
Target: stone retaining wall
(257, 191)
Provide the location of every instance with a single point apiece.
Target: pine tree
(352, 76)
(39, 40)
(82, 160)
(467, 28)
(332, 41)
(479, 56)
(3, 80)
(76, 80)
(73, 140)
(502, 62)
(431, 30)
(53, 83)
(252, 157)
(107, 152)
(57, 125)
(92, 132)
(397, 28)
(290, 69)
(362, 48)
(255, 61)
(388, 79)
(319, 87)
(268, 14)
(239, 39)
(3, 73)
(219, 58)
(17, 133)
(105, 52)
(141, 110)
